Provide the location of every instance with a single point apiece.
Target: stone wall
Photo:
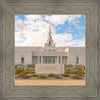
(74, 52)
(26, 55)
(49, 68)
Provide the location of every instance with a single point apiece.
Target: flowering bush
(19, 66)
(76, 69)
(22, 69)
(18, 70)
(31, 72)
(24, 72)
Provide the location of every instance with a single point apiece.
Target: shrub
(26, 68)
(79, 68)
(23, 76)
(67, 72)
(65, 75)
(16, 66)
(69, 65)
(83, 67)
(20, 66)
(42, 77)
(24, 72)
(74, 66)
(50, 75)
(31, 69)
(57, 77)
(18, 70)
(79, 75)
(34, 75)
(31, 66)
(83, 72)
(75, 77)
(31, 72)
(75, 70)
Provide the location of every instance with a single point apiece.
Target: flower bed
(50, 77)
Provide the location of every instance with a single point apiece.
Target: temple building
(50, 54)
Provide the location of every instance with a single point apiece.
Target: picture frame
(91, 91)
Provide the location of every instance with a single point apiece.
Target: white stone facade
(49, 54)
(37, 55)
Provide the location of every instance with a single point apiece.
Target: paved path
(49, 82)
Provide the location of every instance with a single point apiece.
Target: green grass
(50, 75)
(34, 75)
(42, 77)
(57, 77)
(65, 75)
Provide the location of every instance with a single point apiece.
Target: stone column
(58, 59)
(41, 59)
(38, 59)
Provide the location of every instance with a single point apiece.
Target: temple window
(53, 60)
(50, 60)
(77, 60)
(22, 60)
(45, 60)
(49, 43)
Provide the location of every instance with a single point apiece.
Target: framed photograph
(49, 49)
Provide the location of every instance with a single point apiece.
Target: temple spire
(49, 30)
(49, 36)
(49, 42)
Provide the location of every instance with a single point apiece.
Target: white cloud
(31, 18)
(67, 40)
(62, 39)
(56, 19)
(20, 25)
(33, 31)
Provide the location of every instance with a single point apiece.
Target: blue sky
(67, 30)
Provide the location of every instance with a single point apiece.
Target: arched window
(49, 43)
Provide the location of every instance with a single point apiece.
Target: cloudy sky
(67, 30)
